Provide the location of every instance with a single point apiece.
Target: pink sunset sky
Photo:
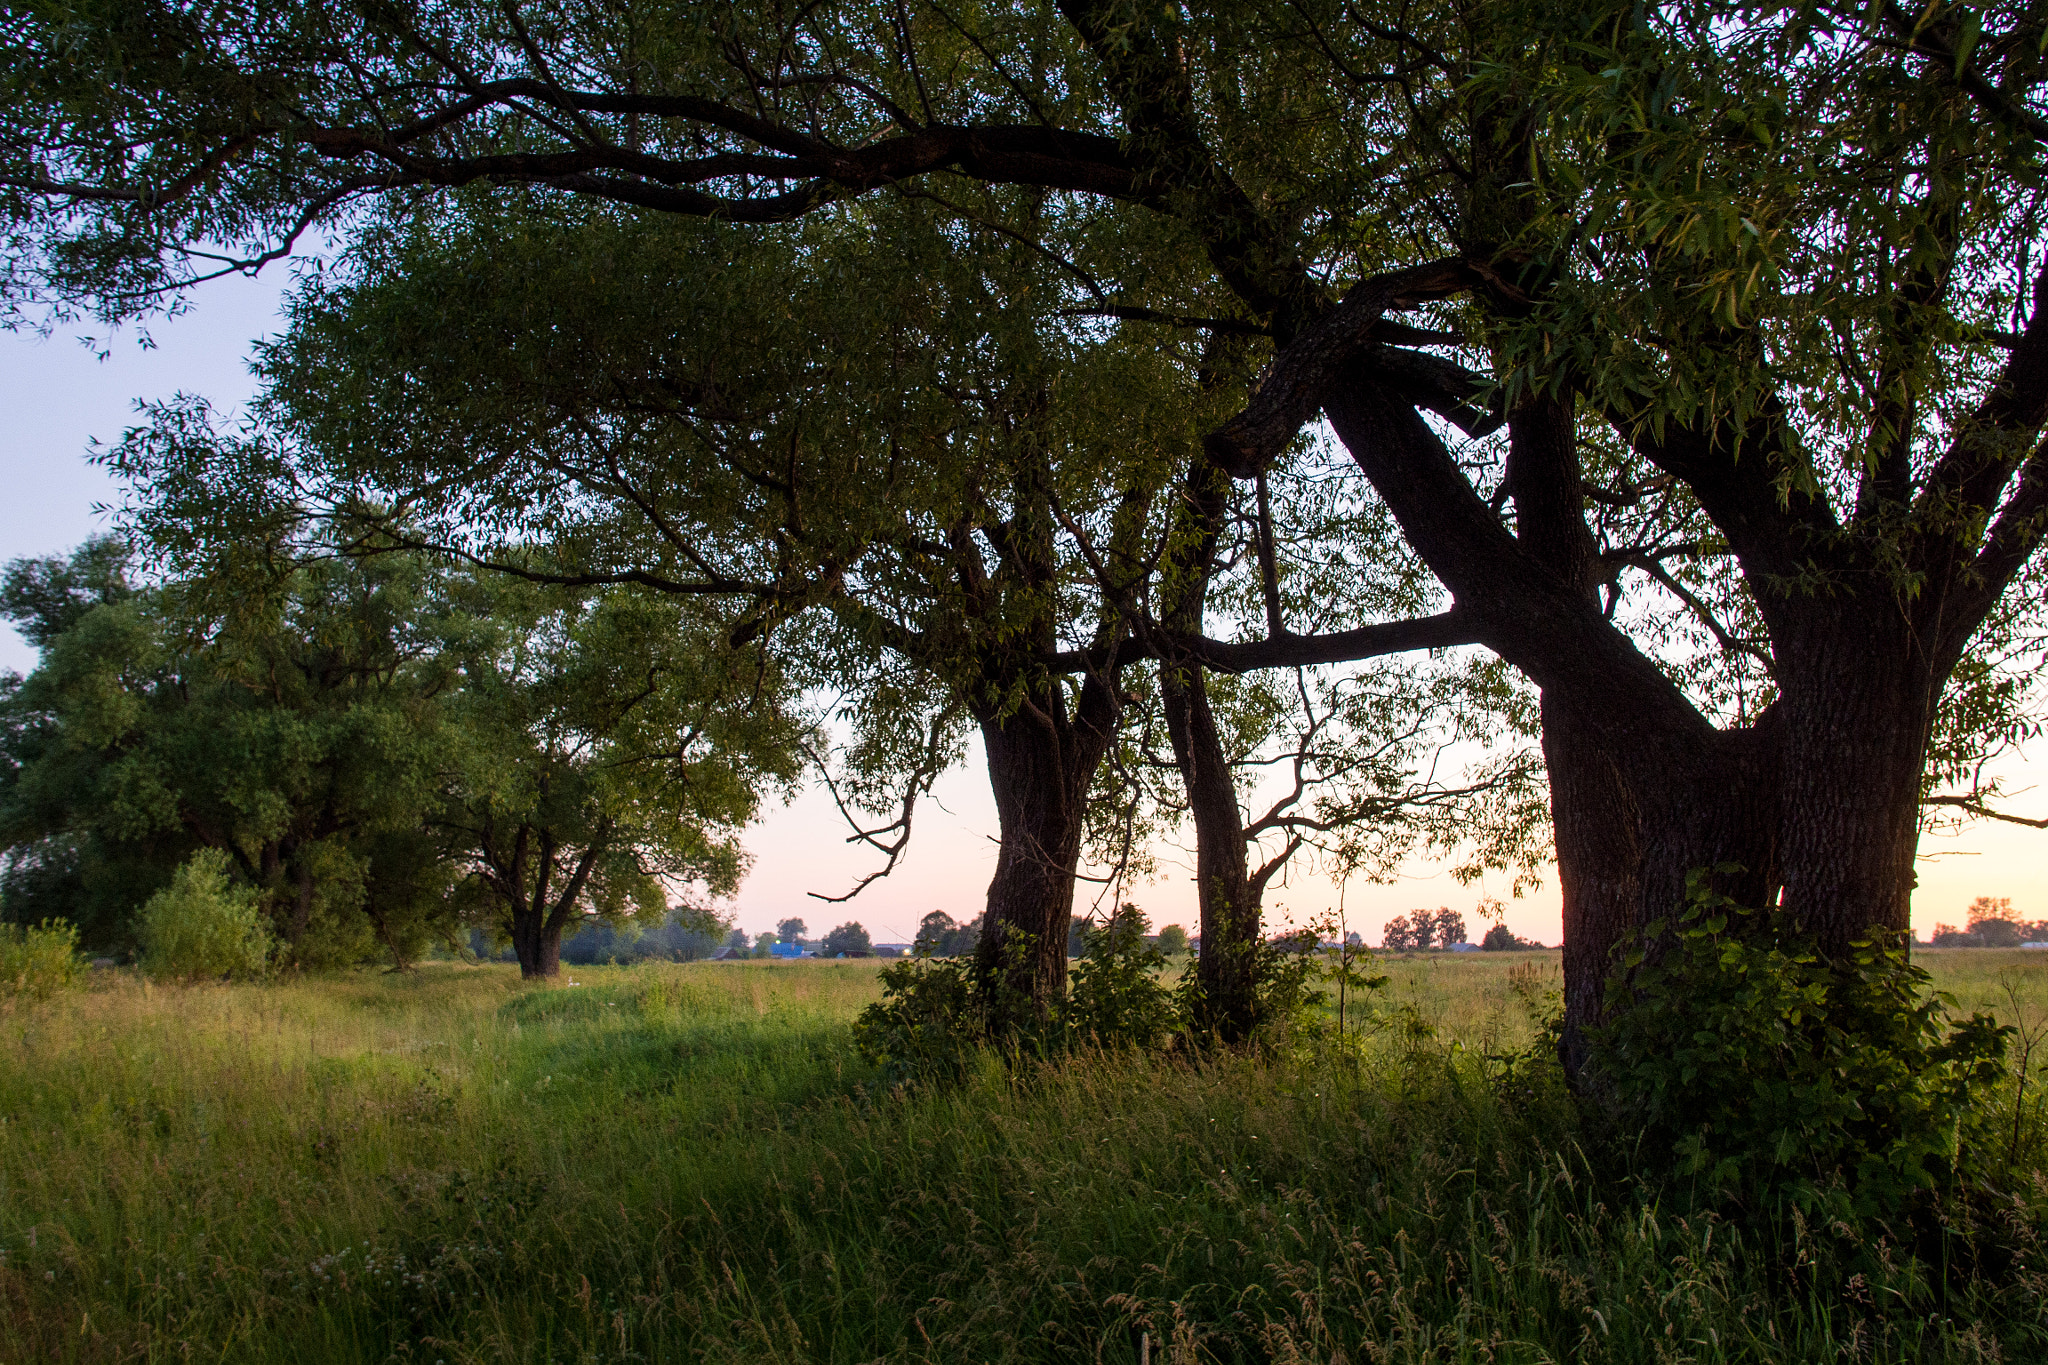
(57, 397)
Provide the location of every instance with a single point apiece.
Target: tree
(1407, 933)
(938, 935)
(847, 938)
(791, 930)
(1731, 301)
(292, 725)
(613, 746)
(1173, 941)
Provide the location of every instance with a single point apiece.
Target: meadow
(690, 1162)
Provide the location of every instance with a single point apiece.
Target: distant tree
(614, 745)
(847, 938)
(1449, 927)
(1126, 923)
(1173, 940)
(763, 942)
(295, 724)
(1993, 923)
(1501, 939)
(687, 935)
(932, 933)
(736, 939)
(1410, 933)
(792, 930)
(939, 935)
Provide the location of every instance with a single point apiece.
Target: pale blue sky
(57, 397)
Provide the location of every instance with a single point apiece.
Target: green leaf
(1970, 30)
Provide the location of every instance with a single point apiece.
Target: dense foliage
(1771, 1073)
(375, 750)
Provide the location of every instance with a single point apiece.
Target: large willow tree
(1734, 308)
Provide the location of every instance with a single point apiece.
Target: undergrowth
(694, 1163)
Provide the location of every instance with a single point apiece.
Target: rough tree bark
(1041, 760)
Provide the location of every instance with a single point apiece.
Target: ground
(691, 1163)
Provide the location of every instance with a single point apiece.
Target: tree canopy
(1714, 409)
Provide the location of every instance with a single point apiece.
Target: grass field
(690, 1163)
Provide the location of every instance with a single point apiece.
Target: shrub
(202, 925)
(1173, 941)
(928, 1024)
(37, 961)
(1770, 1073)
(1117, 997)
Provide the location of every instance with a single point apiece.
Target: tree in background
(1499, 938)
(791, 930)
(1992, 923)
(293, 724)
(613, 745)
(1173, 941)
(847, 938)
(360, 737)
(1421, 930)
(939, 935)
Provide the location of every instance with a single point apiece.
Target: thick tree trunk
(1635, 809)
(1859, 702)
(1042, 757)
(1228, 966)
(1040, 779)
(1643, 788)
(538, 944)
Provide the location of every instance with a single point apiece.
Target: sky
(57, 397)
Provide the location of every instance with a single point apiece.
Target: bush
(1770, 1073)
(936, 1015)
(37, 961)
(204, 926)
(928, 1024)
(1117, 997)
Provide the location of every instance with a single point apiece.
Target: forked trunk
(1042, 756)
(1040, 786)
(1634, 812)
(537, 943)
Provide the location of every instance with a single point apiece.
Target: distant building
(730, 954)
(786, 950)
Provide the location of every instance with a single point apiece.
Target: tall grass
(685, 1163)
